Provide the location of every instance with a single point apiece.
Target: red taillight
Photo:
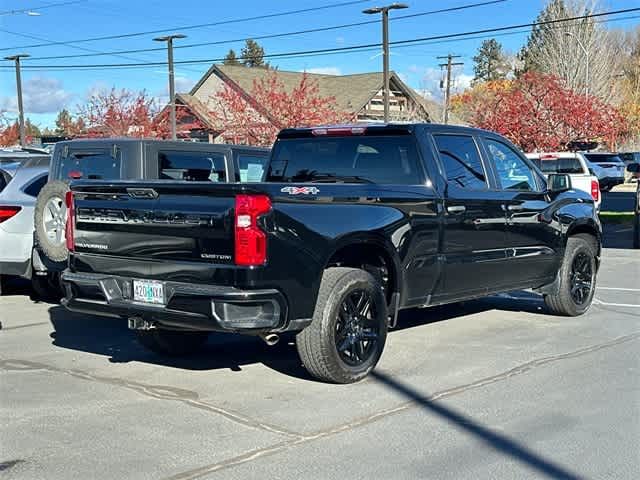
(251, 240)
(595, 190)
(7, 212)
(71, 222)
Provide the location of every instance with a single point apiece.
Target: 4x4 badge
(300, 190)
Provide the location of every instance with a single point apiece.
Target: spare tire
(49, 219)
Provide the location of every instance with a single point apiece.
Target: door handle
(456, 209)
(515, 208)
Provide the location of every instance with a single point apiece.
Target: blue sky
(50, 89)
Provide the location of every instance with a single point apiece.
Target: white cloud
(325, 70)
(40, 95)
(184, 84)
(340, 40)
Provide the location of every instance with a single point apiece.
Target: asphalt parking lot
(494, 388)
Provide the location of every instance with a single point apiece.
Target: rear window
(251, 167)
(91, 165)
(192, 166)
(5, 178)
(559, 165)
(357, 159)
(603, 158)
(33, 189)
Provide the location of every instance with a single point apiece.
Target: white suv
(573, 164)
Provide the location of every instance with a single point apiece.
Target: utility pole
(447, 93)
(172, 89)
(385, 49)
(17, 58)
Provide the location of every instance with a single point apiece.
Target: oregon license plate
(148, 291)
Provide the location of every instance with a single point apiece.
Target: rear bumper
(188, 306)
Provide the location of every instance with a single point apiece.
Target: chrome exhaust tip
(270, 338)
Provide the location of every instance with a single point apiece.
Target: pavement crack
(404, 406)
(162, 392)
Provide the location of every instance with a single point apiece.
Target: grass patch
(617, 217)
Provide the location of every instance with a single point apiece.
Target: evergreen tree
(541, 35)
(63, 122)
(231, 58)
(253, 54)
(490, 62)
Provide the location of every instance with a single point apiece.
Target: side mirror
(558, 182)
(633, 168)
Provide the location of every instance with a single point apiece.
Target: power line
(48, 5)
(191, 27)
(363, 50)
(354, 48)
(274, 35)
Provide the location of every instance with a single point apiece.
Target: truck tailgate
(156, 220)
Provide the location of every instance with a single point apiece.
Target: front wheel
(349, 327)
(577, 278)
(172, 342)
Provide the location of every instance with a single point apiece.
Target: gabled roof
(198, 108)
(352, 92)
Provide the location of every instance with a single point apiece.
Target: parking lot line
(600, 302)
(620, 289)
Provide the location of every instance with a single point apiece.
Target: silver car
(21, 182)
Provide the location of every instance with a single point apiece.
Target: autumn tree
(122, 113)
(490, 63)
(10, 133)
(68, 126)
(256, 119)
(253, 54)
(231, 58)
(630, 85)
(538, 113)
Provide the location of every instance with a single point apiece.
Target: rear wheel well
(371, 258)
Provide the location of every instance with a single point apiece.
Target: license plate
(148, 291)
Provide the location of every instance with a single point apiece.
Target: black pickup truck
(351, 225)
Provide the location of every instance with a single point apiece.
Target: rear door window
(251, 167)
(192, 166)
(356, 159)
(461, 161)
(91, 165)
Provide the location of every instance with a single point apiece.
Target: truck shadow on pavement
(111, 337)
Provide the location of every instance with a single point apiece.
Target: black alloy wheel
(357, 329)
(581, 278)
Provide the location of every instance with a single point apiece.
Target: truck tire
(577, 278)
(49, 218)
(174, 343)
(349, 327)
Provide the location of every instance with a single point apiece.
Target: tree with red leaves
(256, 118)
(538, 113)
(122, 113)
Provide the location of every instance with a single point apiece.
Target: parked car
(126, 158)
(634, 169)
(630, 157)
(608, 167)
(351, 225)
(573, 164)
(20, 184)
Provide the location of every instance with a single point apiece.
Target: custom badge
(300, 190)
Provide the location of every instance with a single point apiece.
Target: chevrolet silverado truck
(351, 225)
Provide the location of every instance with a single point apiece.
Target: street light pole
(586, 67)
(385, 49)
(172, 90)
(17, 58)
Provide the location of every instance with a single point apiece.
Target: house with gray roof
(358, 94)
